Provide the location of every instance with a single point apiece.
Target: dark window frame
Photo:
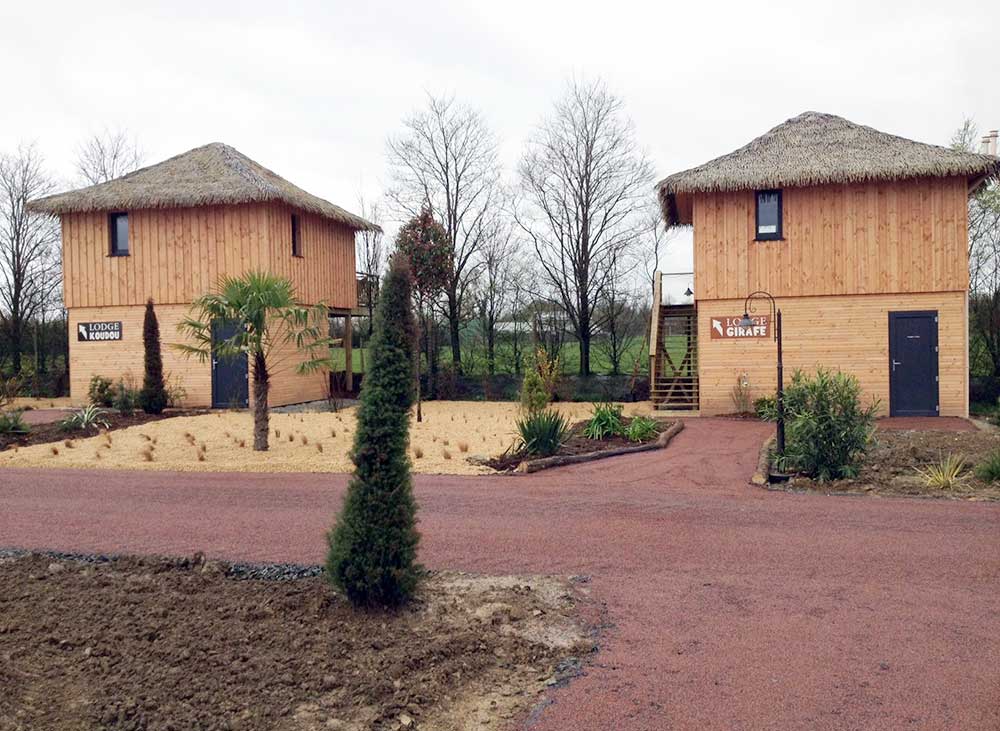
(778, 235)
(114, 245)
(296, 237)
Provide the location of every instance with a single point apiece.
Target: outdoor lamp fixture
(746, 321)
(688, 292)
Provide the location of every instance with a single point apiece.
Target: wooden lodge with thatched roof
(170, 232)
(861, 239)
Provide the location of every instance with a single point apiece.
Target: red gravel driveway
(731, 607)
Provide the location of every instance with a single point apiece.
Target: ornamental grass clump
(827, 430)
(373, 545)
(641, 429)
(989, 469)
(947, 474)
(605, 422)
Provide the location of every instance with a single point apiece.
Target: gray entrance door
(229, 375)
(913, 363)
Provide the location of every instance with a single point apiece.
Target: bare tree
(584, 181)
(495, 288)
(655, 239)
(447, 159)
(370, 255)
(984, 260)
(620, 322)
(30, 277)
(107, 155)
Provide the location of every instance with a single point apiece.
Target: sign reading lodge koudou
(98, 331)
(729, 328)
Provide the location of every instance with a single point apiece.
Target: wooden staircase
(673, 356)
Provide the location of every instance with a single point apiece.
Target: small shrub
(946, 474)
(605, 421)
(534, 396)
(542, 433)
(989, 469)
(55, 451)
(126, 399)
(176, 393)
(319, 447)
(741, 395)
(147, 454)
(68, 443)
(12, 422)
(766, 408)
(87, 418)
(827, 430)
(549, 370)
(641, 429)
(463, 446)
(446, 454)
(418, 452)
(101, 391)
(304, 439)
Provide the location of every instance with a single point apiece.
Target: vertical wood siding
(903, 236)
(177, 255)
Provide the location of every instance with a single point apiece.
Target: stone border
(544, 463)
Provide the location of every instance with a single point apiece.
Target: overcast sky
(312, 90)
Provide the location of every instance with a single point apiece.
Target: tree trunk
(585, 354)
(491, 359)
(453, 330)
(261, 414)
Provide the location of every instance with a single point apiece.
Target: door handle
(896, 363)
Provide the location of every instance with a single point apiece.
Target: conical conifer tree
(153, 396)
(373, 546)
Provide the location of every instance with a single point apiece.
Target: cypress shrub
(373, 545)
(153, 396)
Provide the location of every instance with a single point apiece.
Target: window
(296, 239)
(768, 215)
(118, 226)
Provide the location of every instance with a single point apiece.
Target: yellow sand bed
(451, 432)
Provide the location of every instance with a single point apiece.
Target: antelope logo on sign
(729, 328)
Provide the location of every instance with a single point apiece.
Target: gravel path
(732, 607)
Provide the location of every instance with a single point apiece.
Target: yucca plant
(946, 474)
(989, 469)
(12, 422)
(542, 432)
(89, 417)
(641, 429)
(605, 421)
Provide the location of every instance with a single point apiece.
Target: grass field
(474, 358)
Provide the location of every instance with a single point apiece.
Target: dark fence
(504, 387)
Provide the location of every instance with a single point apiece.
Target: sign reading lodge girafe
(98, 331)
(729, 328)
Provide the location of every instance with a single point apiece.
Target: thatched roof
(215, 174)
(818, 149)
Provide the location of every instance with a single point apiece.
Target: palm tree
(270, 325)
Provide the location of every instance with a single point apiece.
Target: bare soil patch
(153, 643)
(455, 437)
(50, 432)
(891, 465)
(578, 444)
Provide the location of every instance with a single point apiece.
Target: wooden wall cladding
(903, 236)
(177, 255)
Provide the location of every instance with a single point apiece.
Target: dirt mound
(167, 644)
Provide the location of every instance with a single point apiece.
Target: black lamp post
(776, 317)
